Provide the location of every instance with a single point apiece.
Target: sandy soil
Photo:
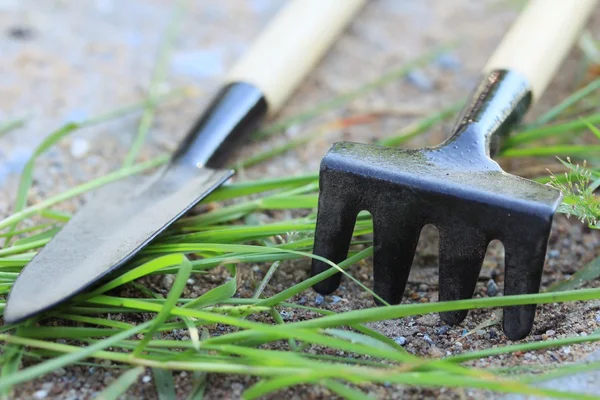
(72, 60)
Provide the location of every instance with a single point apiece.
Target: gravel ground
(72, 60)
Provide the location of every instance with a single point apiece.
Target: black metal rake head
(458, 188)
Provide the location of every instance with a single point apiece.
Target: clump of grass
(578, 186)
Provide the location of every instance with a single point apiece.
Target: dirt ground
(66, 60)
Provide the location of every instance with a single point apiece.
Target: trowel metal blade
(106, 233)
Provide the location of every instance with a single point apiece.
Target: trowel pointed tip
(14, 314)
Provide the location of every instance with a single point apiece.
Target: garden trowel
(125, 216)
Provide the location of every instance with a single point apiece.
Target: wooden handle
(539, 40)
(291, 45)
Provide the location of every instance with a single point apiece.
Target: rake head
(458, 188)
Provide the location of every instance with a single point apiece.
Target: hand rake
(457, 186)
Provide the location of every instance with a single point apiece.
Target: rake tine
(524, 264)
(336, 218)
(395, 241)
(462, 250)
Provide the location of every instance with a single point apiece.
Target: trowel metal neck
(235, 111)
(497, 106)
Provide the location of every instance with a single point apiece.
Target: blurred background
(69, 61)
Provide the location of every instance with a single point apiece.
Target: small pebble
(550, 332)
(464, 332)
(255, 268)
(492, 288)
(401, 340)
(423, 287)
(20, 32)
(420, 80)
(40, 394)
(598, 317)
(191, 281)
(286, 315)
(443, 330)
(79, 147)
(448, 61)
(427, 339)
(481, 332)
(319, 300)
(146, 378)
(493, 334)
(336, 299)
(302, 300)
(567, 350)
(553, 253)
(458, 345)
(167, 281)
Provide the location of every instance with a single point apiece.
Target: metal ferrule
(236, 110)
(498, 105)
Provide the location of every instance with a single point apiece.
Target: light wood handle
(291, 45)
(539, 40)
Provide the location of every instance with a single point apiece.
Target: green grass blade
(573, 99)
(66, 359)
(421, 126)
(138, 272)
(121, 385)
(530, 135)
(12, 125)
(217, 295)
(589, 272)
(165, 384)
(158, 77)
(183, 275)
(553, 151)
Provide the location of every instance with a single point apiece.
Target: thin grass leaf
(138, 272)
(13, 354)
(121, 384)
(563, 371)
(265, 281)
(553, 151)
(199, 386)
(217, 295)
(359, 338)
(406, 310)
(531, 346)
(344, 391)
(60, 216)
(158, 77)
(218, 247)
(589, 272)
(164, 383)
(183, 275)
(46, 235)
(573, 99)
(415, 129)
(265, 387)
(46, 367)
(239, 189)
(11, 125)
(556, 130)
